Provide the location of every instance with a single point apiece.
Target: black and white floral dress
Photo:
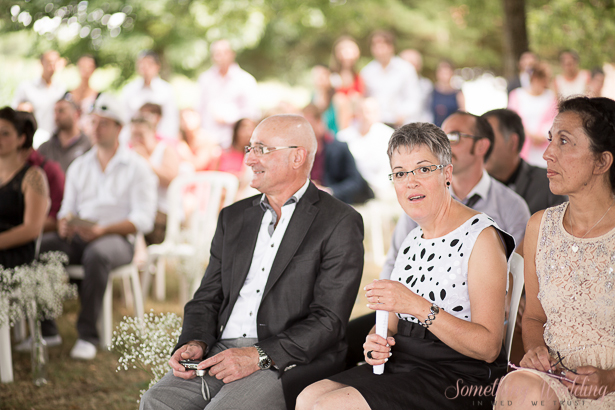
(423, 372)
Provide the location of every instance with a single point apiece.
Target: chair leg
(128, 298)
(6, 358)
(20, 330)
(107, 316)
(146, 280)
(160, 292)
(136, 288)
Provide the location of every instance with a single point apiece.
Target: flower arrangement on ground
(44, 282)
(147, 344)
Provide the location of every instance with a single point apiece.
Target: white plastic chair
(128, 273)
(194, 204)
(6, 357)
(516, 269)
(379, 215)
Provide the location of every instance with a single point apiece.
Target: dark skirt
(424, 373)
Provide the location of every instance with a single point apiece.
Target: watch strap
(433, 311)
(264, 361)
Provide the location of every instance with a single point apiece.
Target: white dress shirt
(242, 321)
(370, 154)
(223, 100)
(395, 87)
(125, 190)
(135, 94)
(481, 189)
(43, 99)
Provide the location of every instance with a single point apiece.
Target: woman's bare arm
(36, 198)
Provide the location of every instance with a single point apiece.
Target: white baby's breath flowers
(44, 281)
(147, 344)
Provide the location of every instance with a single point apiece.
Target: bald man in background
(270, 315)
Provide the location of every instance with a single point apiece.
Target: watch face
(264, 363)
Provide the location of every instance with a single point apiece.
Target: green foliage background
(283, 38)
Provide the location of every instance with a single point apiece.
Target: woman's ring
(378, 299)
(369, 355)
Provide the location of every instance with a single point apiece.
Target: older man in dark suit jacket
(270, 315)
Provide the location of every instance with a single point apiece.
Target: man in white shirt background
(150, 88)
(226, 94)
(109, 195)
(425, 89)
(42, 94)
(391, 81)
(368, 141)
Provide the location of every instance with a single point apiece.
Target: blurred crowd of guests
(359, 107)
(142, 140)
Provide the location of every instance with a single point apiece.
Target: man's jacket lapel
(299, 225)
(246, 243)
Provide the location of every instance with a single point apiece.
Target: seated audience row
(447, 326)
(581, 135)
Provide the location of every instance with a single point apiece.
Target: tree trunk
(515, 35)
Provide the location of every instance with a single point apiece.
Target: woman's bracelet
(433, 311)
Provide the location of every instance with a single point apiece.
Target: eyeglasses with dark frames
(259, 150)
(420, 172)
(561, 364)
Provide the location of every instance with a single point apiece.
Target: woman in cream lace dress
(569, 321)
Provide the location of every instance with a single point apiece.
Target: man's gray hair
(416, 134)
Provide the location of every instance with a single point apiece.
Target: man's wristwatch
(264, 361)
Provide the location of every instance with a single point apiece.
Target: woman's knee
(310, 395)
(518, 389)
(342, 398)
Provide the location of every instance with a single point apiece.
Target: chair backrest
(37, 246)
(516, 269)
(195, 200)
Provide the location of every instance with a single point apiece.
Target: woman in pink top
(345, 79)
(537, 107)
(231, 159)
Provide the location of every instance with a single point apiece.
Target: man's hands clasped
(228, 365)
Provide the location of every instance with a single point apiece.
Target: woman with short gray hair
(445, 296)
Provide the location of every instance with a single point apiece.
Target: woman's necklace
(575, 246)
